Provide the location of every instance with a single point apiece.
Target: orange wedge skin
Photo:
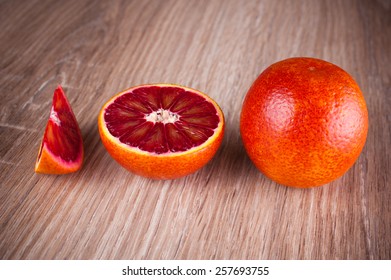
(49, 163)
(161, 166)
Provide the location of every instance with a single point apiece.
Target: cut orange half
(61, 149)
(161, 131)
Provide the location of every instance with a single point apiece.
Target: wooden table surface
(227, 210)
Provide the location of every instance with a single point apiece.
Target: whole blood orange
(61, 149)
(161, 131)
(304, 122)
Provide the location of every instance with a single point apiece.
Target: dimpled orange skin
(162, 166)
(304, 122)
(50, 165)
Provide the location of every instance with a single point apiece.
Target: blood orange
(161, 131)
(61, 149)
(304, 122)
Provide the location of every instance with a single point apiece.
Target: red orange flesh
(161, 131)
(61, 149)
(304, 122)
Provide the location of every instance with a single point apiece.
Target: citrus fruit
(61, 149)
(161, 131)
(304, 122)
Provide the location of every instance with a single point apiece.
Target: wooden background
(227, 210)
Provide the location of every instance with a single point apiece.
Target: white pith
(162, 116)
(54, 117)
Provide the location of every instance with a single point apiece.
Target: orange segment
(61, 149)
(161, 131)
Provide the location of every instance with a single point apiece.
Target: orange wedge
(61, 149)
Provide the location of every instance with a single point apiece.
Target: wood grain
(227, 210)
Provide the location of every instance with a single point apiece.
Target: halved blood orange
(161, 131)
(61, 149)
